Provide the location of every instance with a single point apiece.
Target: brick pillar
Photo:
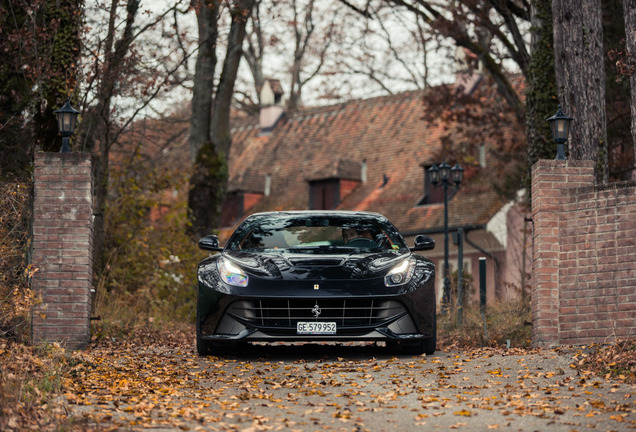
(550, 181)
(62, 248)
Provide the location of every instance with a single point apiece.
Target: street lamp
(66, 120)
(444, 174)
(560, 126)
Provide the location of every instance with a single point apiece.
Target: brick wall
(584, 256)
(62, 248)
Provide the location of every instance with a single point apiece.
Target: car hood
(295, 266)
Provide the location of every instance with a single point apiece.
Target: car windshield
(315, 233)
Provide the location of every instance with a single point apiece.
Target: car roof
(289, 214)
(321, 213)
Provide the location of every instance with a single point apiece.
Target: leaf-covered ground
(155, 381)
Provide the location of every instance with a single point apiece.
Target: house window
(432, 194)
(324, 194)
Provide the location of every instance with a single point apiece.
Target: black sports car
(316, 276)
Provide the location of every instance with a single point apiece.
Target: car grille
(285, 313)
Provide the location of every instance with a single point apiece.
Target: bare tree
(388, 47)
(491, 30)
(304, 29)
(327, 52)
(300, 40)
(496, 32)
(115, 70)
(254, 53)
(209, 178)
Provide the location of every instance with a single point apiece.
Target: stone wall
(62, 248)
(584, 256)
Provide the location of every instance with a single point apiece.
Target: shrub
(16, 297)
(150, 262)
(500, 323)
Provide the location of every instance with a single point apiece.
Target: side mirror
(423, 242)
(210, 242)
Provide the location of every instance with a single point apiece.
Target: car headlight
(400, 274)
(231, 274)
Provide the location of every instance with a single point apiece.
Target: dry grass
(500, 325)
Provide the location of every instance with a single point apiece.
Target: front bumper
(363, 319)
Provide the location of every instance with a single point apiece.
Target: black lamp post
(445, 174)
(66, 121)
(560, 126)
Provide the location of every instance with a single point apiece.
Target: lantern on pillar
(66, 121)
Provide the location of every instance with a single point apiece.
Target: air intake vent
(347, 313)
(316, 262)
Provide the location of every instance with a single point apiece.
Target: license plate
(314, 327)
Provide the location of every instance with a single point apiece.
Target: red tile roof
(389, 134)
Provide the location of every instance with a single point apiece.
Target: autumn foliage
(16, 297)
(469, 121)
(149, 260)
(28, 375)
(148, 376)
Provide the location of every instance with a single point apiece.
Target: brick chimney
(469, 70)
(272, 109)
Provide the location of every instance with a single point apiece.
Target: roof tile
(388, 133)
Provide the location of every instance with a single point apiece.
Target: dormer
(432, 194)
(244, 191)
(329, 186)
(272, 108)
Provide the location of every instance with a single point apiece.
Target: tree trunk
(300, 45)
(99, 120)
(580, 74)
(209, 178)
(221, 134)
(540, 85)
(254, 53)
(207, 12)
(629, 10)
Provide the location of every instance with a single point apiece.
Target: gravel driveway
(314, 387)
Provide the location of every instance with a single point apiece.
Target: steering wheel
(361, 242)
